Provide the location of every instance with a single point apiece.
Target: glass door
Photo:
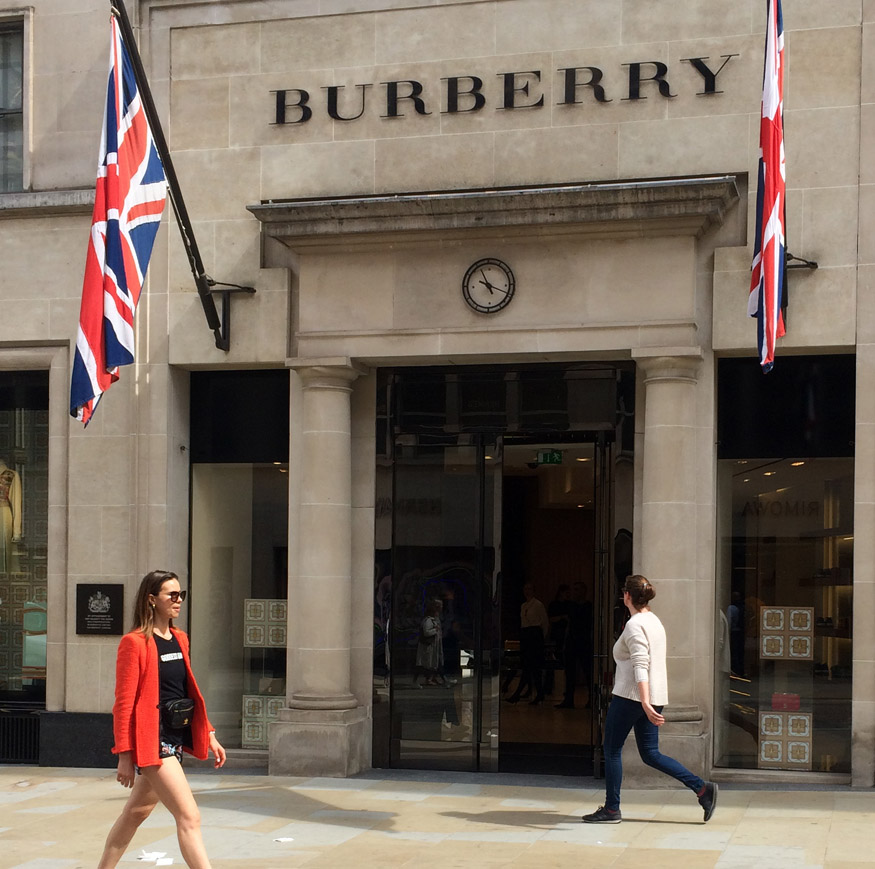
(443, 585)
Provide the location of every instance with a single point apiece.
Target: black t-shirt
(172, 677)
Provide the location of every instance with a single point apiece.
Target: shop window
(785, 565)
(24, 451)
(239, 549)
(11, 106)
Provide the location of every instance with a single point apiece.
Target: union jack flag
(131, 190)
(769, 256)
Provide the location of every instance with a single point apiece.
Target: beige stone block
(834, 79)
(317, 43)
(364, 456)
(225, 181)
(812, 14)
(416, 36)
(78, 41)
(64, 160)
(862, 749)
(192, 340)
(867, 142)
(866, 229)
(200, 114)
(434, 163)
(312, 170)
(349, 293)
(739, 79)
(63, 319)
(865, 395)
(554, 25)
(867, 67)
(117, 536)
(215, 50)
(253, 109)
(649, 22)
(557, 154)
(24, 320)
(495, 342)
(369, 348)
(700, 145)
(826, 230)
(811, 133)
(822, 309)
(864, 453)
(111, 487)
(863, 675)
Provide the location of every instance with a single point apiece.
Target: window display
(784, 622)
(24, 454)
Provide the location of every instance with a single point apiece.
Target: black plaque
(99, 609)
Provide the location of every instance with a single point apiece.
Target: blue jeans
(623, 715)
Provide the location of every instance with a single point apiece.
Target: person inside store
(429, 647)
(159, 714)
(534, 629)
(640, 693)
(557, 612)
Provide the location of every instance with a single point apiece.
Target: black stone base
(80, 739)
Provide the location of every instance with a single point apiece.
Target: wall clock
(488, 285)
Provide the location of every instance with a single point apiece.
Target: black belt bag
(177, 714)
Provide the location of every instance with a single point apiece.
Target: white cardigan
(640, 657)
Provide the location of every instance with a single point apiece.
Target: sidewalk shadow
(544, 820)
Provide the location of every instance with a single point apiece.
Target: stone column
(666, 552)
(322, 730)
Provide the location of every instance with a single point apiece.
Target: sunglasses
(176, 596)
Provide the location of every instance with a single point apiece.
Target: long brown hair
(143, 620)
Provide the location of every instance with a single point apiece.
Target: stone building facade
(373, 433)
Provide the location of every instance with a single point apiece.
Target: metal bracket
(224, 292)
(797, 262)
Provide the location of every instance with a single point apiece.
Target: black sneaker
(708, 800)
(603, 816)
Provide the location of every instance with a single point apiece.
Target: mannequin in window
(10, 516)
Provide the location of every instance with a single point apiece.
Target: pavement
(58, 819)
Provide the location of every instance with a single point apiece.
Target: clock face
(488, 285)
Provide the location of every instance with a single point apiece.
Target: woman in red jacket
(153, 668)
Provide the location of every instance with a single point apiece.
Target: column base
(681, 737)
(324, 742)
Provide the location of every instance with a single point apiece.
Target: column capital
(326, 371)
(669, 363)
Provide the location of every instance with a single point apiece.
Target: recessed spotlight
(796, 464)
(769, 473)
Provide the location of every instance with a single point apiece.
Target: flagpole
(183, 221)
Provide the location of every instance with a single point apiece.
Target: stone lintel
(632, 208)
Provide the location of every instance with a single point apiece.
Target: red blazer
(135, 712)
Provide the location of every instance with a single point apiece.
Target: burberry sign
(507, 91)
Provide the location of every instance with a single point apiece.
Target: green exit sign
(549, 457)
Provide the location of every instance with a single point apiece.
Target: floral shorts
(168, 749)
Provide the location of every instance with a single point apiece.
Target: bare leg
(170, 784)
(138, 807)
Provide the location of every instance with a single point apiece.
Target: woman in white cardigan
(640, 692)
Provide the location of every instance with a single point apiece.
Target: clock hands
(486, 283)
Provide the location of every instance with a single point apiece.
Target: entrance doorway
(479, 534)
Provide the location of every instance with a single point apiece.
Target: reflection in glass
(239, 607)
(784, 619)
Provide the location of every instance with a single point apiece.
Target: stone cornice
(679, 206)
(46, 203)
